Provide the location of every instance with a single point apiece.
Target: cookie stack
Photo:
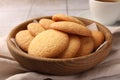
(60, 37)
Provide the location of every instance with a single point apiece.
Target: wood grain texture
(60, 66)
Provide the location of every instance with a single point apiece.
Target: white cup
(105, 12)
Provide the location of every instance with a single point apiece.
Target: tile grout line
(67, 7)
(30, 9)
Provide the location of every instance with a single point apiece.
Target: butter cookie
(23, 39)
(35, 28)
(48, 44)
(73, 47)
(46, 23)
(71, 27)
(62, 17)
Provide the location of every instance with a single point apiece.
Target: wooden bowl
(60, 66)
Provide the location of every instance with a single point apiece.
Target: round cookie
(62, 17)
(48, 44)
(46, 23)
(35, 28)
(23, 39)
(71, 27)
(87, 46)
(73, 47)
(98, 37)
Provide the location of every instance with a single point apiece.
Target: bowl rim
(24, 54)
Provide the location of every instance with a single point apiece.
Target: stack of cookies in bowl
(60, 37)
(59, 44)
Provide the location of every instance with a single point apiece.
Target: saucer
(87, 14)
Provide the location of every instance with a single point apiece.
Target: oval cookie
(23, 39)
(46, 23)
(62, 17)
(49, 43)
(71, 27)
(73, 47)
(35, 28)
(87, 46)
(98, 37)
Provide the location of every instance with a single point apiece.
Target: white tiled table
(13, 12)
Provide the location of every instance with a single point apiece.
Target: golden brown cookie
(23, 39)
(87, 46)
(35, 28)
(73, 47)
(98, 37)
(46, 23)
(62, 17)
(71, 27)
(49, 43)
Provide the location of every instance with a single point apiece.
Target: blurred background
(13, 12)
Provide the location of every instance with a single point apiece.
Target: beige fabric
(109, 69)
